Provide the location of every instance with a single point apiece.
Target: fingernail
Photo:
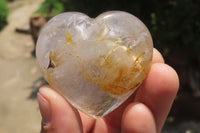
(44, 105)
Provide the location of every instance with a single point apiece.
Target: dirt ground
(19, 73)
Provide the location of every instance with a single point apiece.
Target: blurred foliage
(3, 13)
(172, 23)
(51, 7)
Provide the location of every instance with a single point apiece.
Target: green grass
(50, 7)
(3, 13)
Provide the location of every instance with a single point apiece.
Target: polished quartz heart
(96, 64)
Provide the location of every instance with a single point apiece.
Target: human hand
(144, 112)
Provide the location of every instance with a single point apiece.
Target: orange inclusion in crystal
(118, 79)
(68, 37)
(128, 50)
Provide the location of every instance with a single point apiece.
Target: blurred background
(175, 28)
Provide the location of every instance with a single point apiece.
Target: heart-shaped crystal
(96, 64)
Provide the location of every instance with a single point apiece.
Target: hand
(144, 112)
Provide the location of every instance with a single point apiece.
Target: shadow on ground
(35, 87)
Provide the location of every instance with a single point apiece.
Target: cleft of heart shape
(96, 64)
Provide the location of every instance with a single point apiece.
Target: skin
(145, 111)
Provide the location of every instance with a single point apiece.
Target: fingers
(88, 122)
(157, 57)
(57, 114)
(138, 118)
(158, 91)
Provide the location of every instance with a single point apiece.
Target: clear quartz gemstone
(96, 64)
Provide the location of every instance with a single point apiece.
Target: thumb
(58, 116)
